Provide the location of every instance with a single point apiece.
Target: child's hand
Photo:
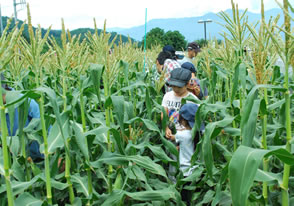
(168, 133)
(197, 90)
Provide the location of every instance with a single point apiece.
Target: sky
(120, 13)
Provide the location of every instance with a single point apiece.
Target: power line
(20, 3)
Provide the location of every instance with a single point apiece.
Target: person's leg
(186, 194)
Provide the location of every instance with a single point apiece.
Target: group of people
(181, 82)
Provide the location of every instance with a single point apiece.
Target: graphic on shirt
(173, 115)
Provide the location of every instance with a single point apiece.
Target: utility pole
(22, 3)
(204, 22)
(1, 23)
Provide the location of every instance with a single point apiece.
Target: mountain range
(189, 26)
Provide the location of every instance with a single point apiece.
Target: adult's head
(193, 50)
(162, 56)
(170, 49)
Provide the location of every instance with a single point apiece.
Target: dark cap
(169, 48)
(188, 112)
(189, 66)
(179, 77)
(194, 46)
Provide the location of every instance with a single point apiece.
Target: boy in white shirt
(179, 80)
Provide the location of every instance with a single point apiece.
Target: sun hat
(188, 112)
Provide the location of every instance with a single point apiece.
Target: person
(179, 80)
(165, 64)
(193, 50)
(169, 48)
(33, 112)
(186, 143)
(171, 102)
(194, 85)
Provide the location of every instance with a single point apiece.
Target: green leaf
(17, 170)
(138, 173)
(147, 164)
(119, 110)
(263, 109)
(53, 100)
(263, 176)
(249, 117)
(19, 187)
(147, 122)
(141, 161)
(118, 182)
(111, 159)
(55, 137)
(27, 199)
(113, 198)
(208, 197)
(118, 140)
(81, 184)
(135, 85)
(148, 103)
(81, 139)
(243, 168)
(211, 131)
(96, 71)
(156, 195)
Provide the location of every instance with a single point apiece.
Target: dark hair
(169, 48)
(162, 56)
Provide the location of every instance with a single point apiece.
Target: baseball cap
(179, 77)
(189, 66)
(194, 46)
(169, 48)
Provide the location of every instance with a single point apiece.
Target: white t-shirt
(184, 60)
(173, 104)
(184, 138)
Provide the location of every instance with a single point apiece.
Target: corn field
(100, 126)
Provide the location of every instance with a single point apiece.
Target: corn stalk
(285, 195)
(33, 54)
(7, 45)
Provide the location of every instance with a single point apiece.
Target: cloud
(127, 13)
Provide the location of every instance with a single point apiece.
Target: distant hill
(57, 33)
(190, 27)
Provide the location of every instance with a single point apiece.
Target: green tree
(157, 36)
(202, 42)
(154, 37)
(175, 39)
